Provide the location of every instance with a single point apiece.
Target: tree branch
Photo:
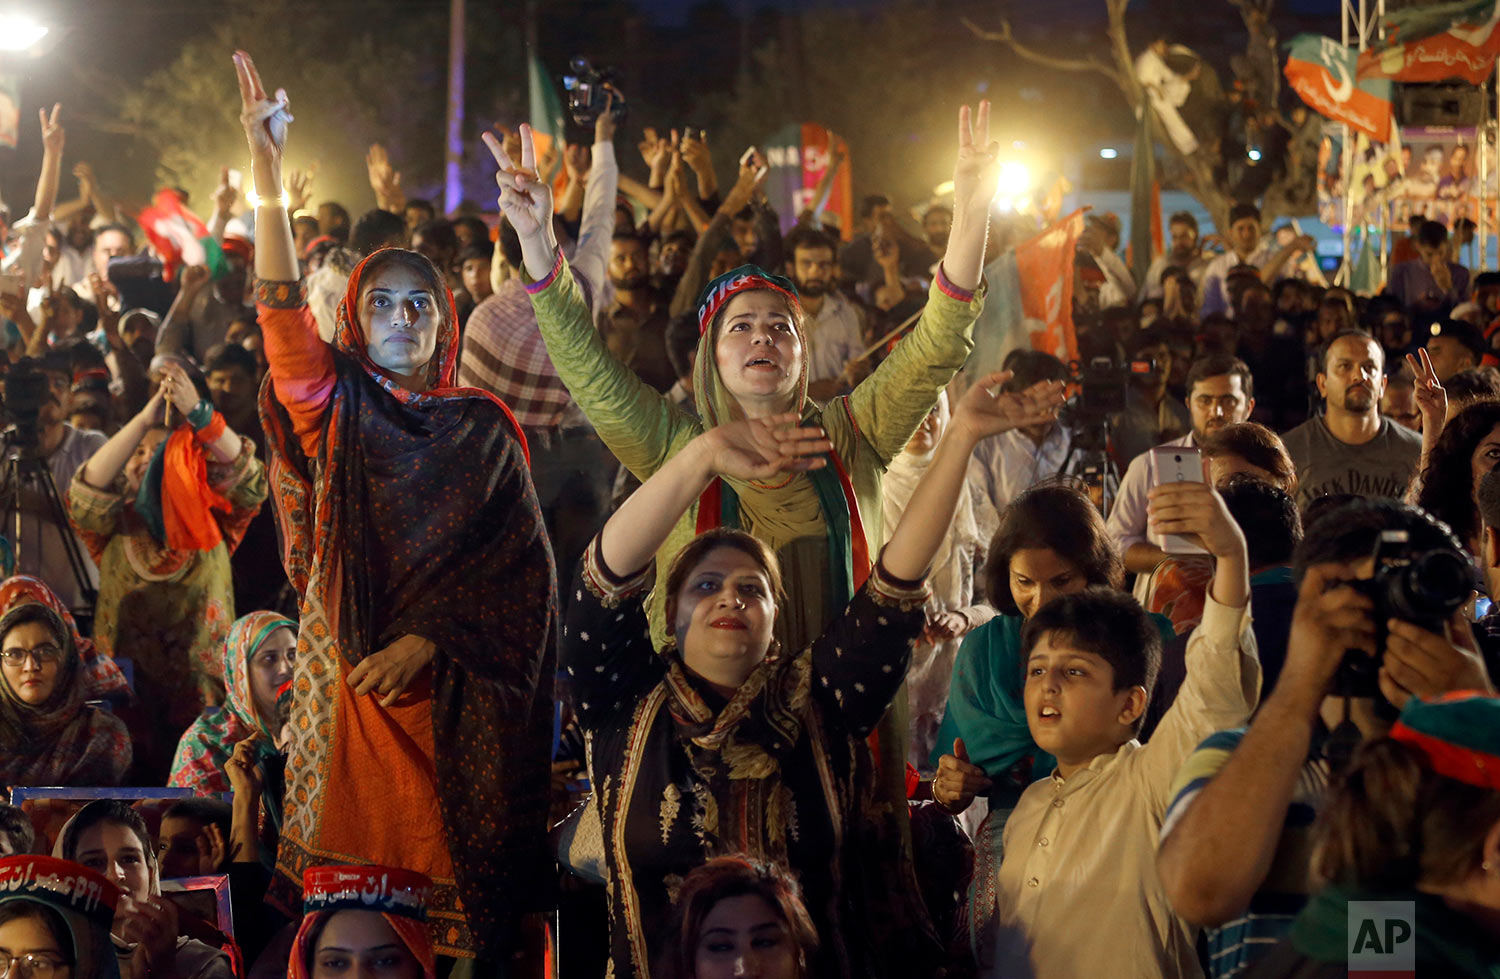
(1004, 36)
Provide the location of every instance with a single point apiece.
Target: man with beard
(634, 325)
(42, 548)
(1186, 253)
(832, 327)
(1351, 448)
(1220, 392)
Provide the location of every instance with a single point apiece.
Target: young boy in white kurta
(1078, 893)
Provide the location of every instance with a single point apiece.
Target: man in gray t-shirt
(1350, 448)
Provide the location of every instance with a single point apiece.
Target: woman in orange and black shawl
(411, 530)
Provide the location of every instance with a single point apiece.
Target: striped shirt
(1237, 944)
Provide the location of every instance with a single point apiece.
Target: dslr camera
(587, 96)
(1424, 588)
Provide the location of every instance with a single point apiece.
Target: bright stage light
(1108, 153)
(19, 32)
(1015, 180)
(1254, 155)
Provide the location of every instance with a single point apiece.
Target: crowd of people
(639, 582)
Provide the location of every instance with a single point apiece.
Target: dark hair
(1485, 279)
(1448, 480)
(1347, 531)
(438, 232)
(1217, 364)
(808, 239)
(1257, 445)
(376, 229)
(681, 237)
(19, 910)
(682, 341)
(116, 226)
(229, 356)
(1141, 339)
(510, 245)
(478, 230)
(102, 811)
(1488, 499)
(16, 826)
(868, 205)
(711, 540)
(303, 220)
(483, 251)
(1392, 822)
(630, 237)
(337, 225)
(420, 204)
(1268, 516)
(1432, 234)
(1062, 519)
(1343, 334)
(1475, 384)
(1241, 211)
(1108, 623)
(205, 810)
(720, 879)
(1183, 217)
(1030, 367)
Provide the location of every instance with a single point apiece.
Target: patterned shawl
(418, 516)
(207, 745)
(65, 741)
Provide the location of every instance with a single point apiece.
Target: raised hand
(194, 278)
(525, 200)
(265, 118)
(299, 187)
(985, 410)
(604, 126)
(976, 176)
(179, 387)
(385, 180)
(225, 196)
(1432, 400)
(759, 448)
(1195, 510)
(52, 131)
(958, 780)
(84, 174)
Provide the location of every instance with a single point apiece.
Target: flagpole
(453, 153)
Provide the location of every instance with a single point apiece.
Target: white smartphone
(13, 284)
(1176, 464)
(747, 158)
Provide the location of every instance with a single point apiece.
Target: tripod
(1088, 459)
(26, 477)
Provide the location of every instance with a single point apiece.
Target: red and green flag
(1436, 43)
(1323, 73)
(179, 236)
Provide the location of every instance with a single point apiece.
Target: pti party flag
(799, 157)
(1322, 72)
(179, 236)
(546, 112)
(1436, 43)
(1030, 300)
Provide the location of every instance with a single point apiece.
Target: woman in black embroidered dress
(725, 743)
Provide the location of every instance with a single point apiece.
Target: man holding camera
(1350, 448)
(42, 548)
(1220, 392)
(1235, 846)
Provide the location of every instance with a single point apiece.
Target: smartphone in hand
(1176, 464)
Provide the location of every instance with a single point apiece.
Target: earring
(773, 653)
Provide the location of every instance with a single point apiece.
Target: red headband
(726, 286)
(370, 888)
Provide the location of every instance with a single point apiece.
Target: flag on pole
(1030, 301)
(179, 236)
(546, 112)
(1365, 278)
(1322, 72)
(1436, 43)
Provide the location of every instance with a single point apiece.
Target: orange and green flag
(1436, 42)
(1323, 73)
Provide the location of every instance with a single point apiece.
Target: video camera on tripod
(1102, 386)
(26, 482)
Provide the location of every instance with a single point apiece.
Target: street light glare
(1108, 153)
(1254, 154)
(19, 31)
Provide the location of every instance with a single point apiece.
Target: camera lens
(1177, 458)
(1433, 586)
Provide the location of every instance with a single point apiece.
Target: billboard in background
(1426, 171)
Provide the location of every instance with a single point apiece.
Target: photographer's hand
(1330, 618)
(1419, 663)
